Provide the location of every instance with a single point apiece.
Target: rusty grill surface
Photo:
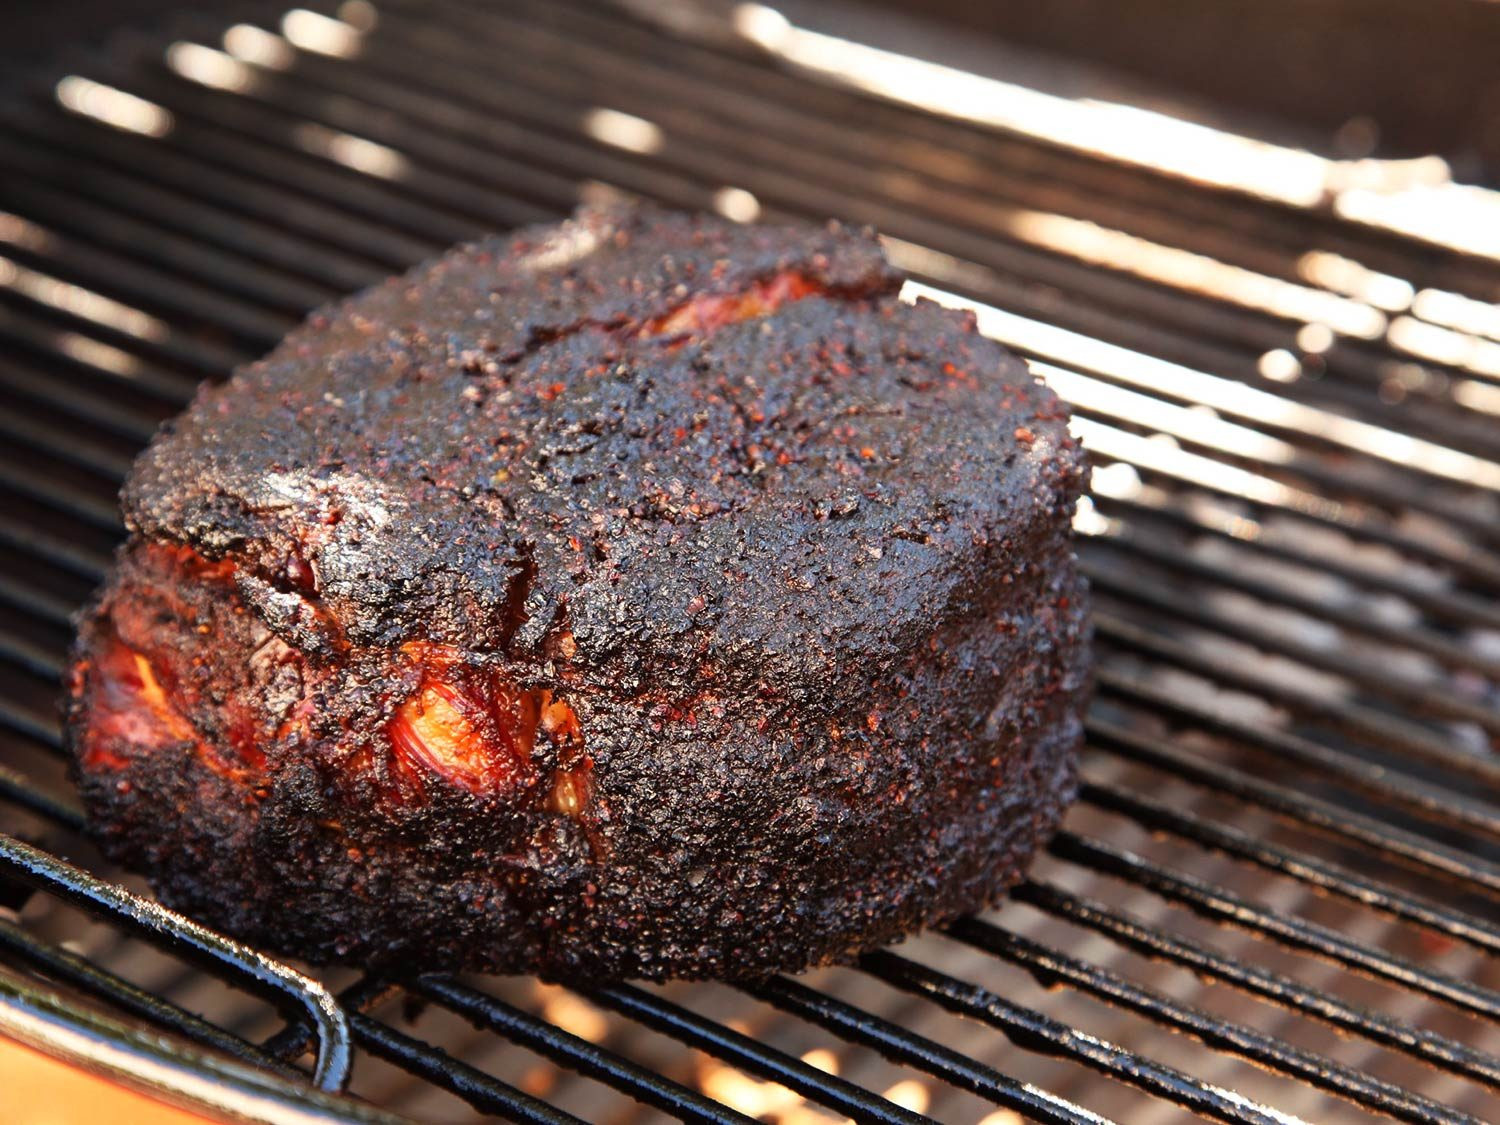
(1277, 898)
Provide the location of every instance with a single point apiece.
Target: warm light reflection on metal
(909, 1094)
(821, 1058)
(913, 258)
(1453, 310)
(1166, 458)
(761, 24)
(113, 107)
(1136, 136)
(97, 354)
(1118, 479)
(320, 34)
(1187, 423)
(1458, 216)
(737, 204)
(753, 1098)
(16, 231)
(1314, 339)
(1186, 270)
(1414, 197)
(1241, 528)
(80, 302)
(1206, 511)
(209, 67)
(623, 130)
(1280, 366)
(252, 44)
(1345, 275)
(1233, 398)
(1088, 520)
(1230, 523)
(1477, 396)
(1389, 177)
(1443, 345)
(351, 151)
(574, 1014)
(359, 14)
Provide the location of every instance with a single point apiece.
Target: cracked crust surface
(646, 595)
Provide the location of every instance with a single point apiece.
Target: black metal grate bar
(1449, 653)
(1155, 942)
(187, 938)
(1418, 698)
(1157, 817)
(480, 1090)
(228, 1089)
(1444, 803)
(19, 948)
(1389, 730)
(1311, 811)
(1048, 1036)
(1218, 904)
(577, 1054)
(1443, 605)
(895, 1042)
(1050, 967)
(755, 1058)
(19, 791)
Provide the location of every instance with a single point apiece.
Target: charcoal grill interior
(1277, 898)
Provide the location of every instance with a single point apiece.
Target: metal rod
(1382, 838)
(1453, 804)
(1390, 730)
(904, 1046)
(185, 937)
(1156, 817)
(577, 1054)
(1421, 698)
(1050, 967)
(482, 1091)
(1173, 557)
(59, 552)
(724, 1043)
(1036, 1032)
(1284, 991)
(40, 728)
(20, 948)
(1448, 605)
(223, 1087)
(1220, 905)
(19, 790)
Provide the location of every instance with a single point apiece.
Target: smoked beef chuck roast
(641, 596)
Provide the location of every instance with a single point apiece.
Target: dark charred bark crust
(642, 596)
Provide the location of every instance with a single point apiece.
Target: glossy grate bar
(1278, 898)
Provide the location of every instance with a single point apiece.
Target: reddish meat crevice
(149, 670)
(466, 725)
(708, 312)
(129, 707)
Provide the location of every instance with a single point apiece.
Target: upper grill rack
(1295, 579)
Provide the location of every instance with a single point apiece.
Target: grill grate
(1293, 546)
